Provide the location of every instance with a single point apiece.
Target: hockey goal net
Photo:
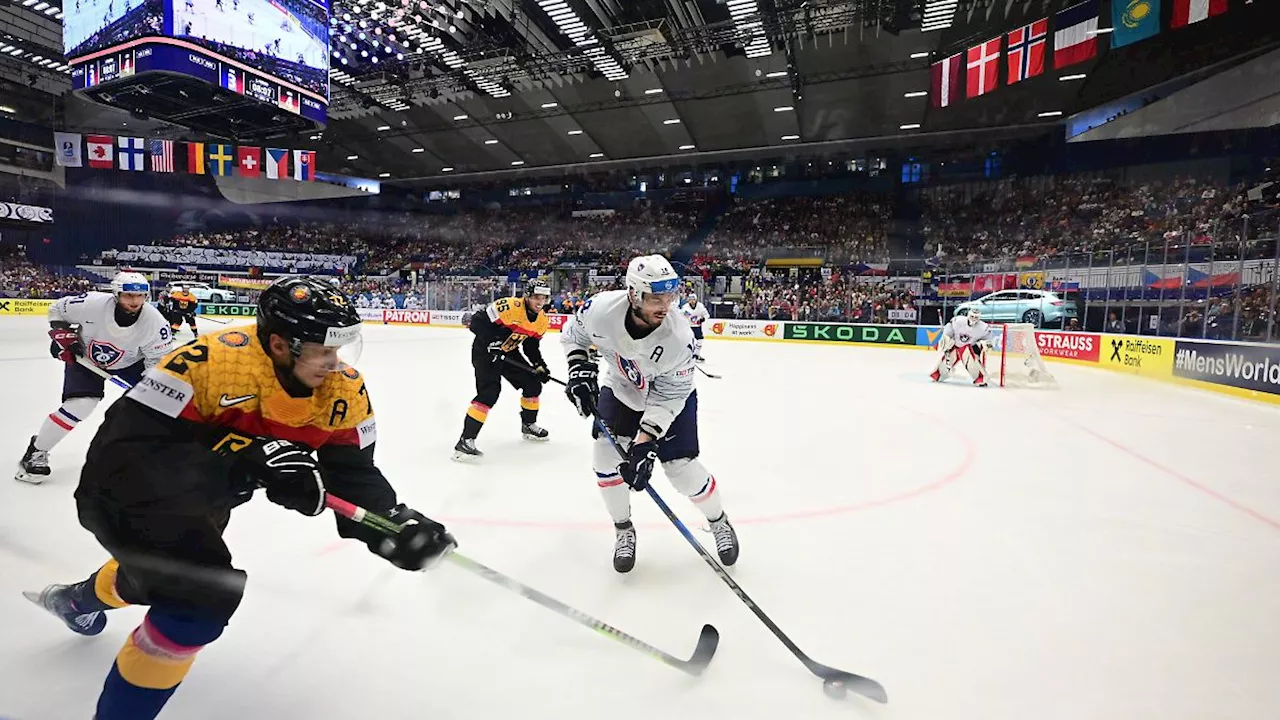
(1019, 363)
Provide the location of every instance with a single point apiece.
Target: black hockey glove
(542, 373)
(638, 468)
(421, 542)
(582, 387)
(289, 472)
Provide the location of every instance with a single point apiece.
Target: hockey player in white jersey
(649, 402)
(964, 340)
(117, 331)
(696, 313)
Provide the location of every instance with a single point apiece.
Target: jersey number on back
(192, 354)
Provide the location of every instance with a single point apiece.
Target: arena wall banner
(1147, 356)
(370, 314)
(838, 332)
(928, 335)
(1080, 346)
(1237, 365)
(408, 317)
(905, 315)
(556, 321)
(228, 309)
(24, 306)
(736, 329)
(446, 317)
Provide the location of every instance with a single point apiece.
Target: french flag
(1076, 39)
(277, 164)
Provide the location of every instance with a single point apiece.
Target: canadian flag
(249, 161)
(101, 151)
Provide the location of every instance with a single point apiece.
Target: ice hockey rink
(1106, 551)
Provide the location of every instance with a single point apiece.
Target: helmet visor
(342, 347)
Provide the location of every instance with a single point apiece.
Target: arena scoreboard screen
(274, 51)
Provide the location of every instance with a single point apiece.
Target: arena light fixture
(517, 162)
(938, 14)
(918, 55)
(51, 10)
(353, 157)
(776, 74)
(383, 127)
(491, 142)
(572, 27)
(746, 20)
(783, 108)
(671, 121)
(790, 137)
(446, 169)
(1050, 113)
(909, 126)
(384, 174)
(419, 150)
(548, 105)
(915, 94)
(460, 117)
(29, 3)
(596, 155)
(653, 91)
(688, 147)
(1078, 76)
(574, 132)
(40, 5)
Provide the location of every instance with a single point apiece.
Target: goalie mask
(975, 316)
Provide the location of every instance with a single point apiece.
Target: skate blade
(29, 478)
(462, 457)
(535, 438)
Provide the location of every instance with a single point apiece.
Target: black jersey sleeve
(484, 329)
(533, 350)
(350, 474)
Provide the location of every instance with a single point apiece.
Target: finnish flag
(132, 153)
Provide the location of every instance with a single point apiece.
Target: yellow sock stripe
(148, 660)
(529, 403)
(104, 585)
(478, 412)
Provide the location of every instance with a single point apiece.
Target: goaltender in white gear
(964, 340)
(120, 332)
(648, 396)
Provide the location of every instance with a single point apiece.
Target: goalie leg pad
(974, 361)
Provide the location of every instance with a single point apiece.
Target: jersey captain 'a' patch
(104, 354)
(630, 369)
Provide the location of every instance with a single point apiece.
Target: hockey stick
(713, 376)
(862, 685)
(708, 640)
(87, 363)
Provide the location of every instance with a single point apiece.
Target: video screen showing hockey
(90, 25)
(704, 360)
(287, 39)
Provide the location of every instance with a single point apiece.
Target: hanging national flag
(983, 63)
(102, 151)
(132, 153)
(68, 146)
(944, 83)
(220, 159)
(277, 163)
(1027, 46)
(195, 158)
(161, 152)
(249, 161)
(1076, 38)
(1186, 12)
(304, 165)
(1134, 20)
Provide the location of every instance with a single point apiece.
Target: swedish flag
(221, 159)
(1134, 20)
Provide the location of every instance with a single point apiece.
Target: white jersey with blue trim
(695, 316)
(108, 345)
(963, 333)
(653, 374)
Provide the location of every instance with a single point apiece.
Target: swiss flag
(102, 150)
(983, 68)
(249, 161)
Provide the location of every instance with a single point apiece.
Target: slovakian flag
(304, 165)
(983, 64)
(249, 161)
(102, 151)
(220, 158)
(1027, 46)
(1186, 12)
(195, 158)
(277, 164)
(1076, 38)
(944, 81)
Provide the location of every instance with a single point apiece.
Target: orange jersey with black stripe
(183, 302)
(511, 315)
(226, 379)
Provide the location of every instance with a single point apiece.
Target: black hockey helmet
(306, 309)
(537, 286)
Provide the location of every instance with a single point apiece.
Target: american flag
(161, 152)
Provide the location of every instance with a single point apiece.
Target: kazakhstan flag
(1134, 20)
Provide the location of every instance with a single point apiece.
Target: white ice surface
(1109, 551)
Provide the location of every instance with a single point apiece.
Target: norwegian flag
(983, 68)
(944, 85)
(161, 152)
(1027, 47)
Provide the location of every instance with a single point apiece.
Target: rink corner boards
(1244, 370)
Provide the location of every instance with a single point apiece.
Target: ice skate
(532, 432)
(466, 451)
(34, 466)
(58, 601)
(726, 540)
(624, 547)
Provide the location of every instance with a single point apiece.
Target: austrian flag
(983, 67)
(1186, 12)
(944, 84)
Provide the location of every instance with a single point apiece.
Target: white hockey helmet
(693, 298)
(651, 274)
(975, 314)
(130, 282)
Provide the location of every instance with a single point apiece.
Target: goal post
(1019, 361)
